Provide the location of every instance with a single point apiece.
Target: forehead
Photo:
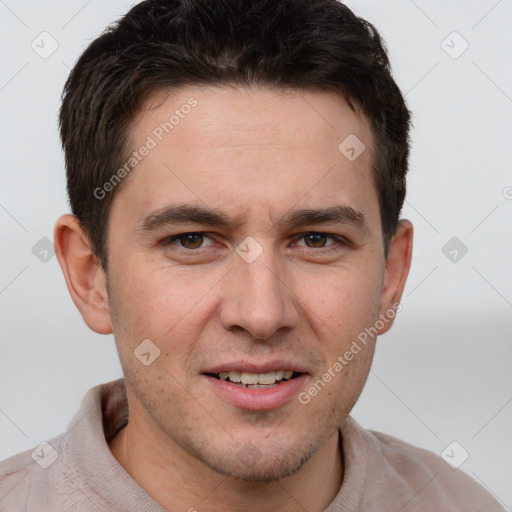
(229, 148)
(240, 109)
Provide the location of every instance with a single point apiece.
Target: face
(220, 255)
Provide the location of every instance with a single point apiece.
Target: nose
(257, 298)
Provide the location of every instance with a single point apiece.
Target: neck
(179, 481)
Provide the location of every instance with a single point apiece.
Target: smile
(256, 380)
(256, 391)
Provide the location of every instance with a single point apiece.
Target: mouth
(257, 387)
(251, 380)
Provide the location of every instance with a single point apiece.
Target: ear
(398, 264)
(82, 271)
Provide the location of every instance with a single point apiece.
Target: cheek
(161, 304)
(344, 300)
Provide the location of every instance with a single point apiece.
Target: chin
(264, 470)
(259, 459)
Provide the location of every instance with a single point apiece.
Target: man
(236, 172)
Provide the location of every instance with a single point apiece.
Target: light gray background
(441, 374)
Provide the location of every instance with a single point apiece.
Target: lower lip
(257, 399)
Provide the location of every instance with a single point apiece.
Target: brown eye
(188, 244)
(315, 240)
(191, 240)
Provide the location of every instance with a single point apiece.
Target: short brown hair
(166, 44)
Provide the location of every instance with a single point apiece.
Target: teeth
(267, 378)
(249, 378)
(256, 378)
(234, 376)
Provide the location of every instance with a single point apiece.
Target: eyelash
(320, 250)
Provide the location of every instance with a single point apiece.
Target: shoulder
(17, 478)
(28, 480)
(422, 479)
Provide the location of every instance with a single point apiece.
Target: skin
(255, 154)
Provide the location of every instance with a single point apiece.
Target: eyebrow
(345, 215)
(181, 214)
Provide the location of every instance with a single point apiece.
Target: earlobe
(82, 271)
(398, 264)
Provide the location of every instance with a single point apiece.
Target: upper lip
(263, 367)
